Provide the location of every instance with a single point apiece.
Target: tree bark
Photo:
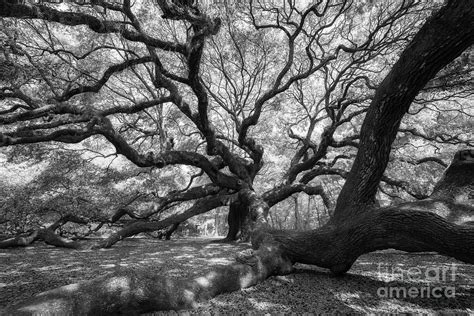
(237, 219)
(233, 222)
(297, 215)
(171, 230)
(443, 37)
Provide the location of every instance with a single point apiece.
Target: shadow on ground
(386, 281)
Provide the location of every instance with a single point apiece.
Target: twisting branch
(18, 10)
(439, 137)
(413, 70)
(105, 77)
(281, 193)
(201, 206)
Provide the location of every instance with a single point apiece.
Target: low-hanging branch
(282, 192)
(209, 199)
(47, 234)
(203, 205)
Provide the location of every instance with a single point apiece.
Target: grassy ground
(386, 281)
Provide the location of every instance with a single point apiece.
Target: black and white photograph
(236, 157)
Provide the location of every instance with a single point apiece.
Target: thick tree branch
(201, 206)
(441, 39)
(105, 77)
(7, 9)
(281, 193)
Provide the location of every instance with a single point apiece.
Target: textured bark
(443, 37)
(440, 223)
(133, 292)
(237, 220)
(337, 247)
(233, 222)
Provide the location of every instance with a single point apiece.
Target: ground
(387, 281)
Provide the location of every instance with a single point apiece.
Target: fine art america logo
(429, 281)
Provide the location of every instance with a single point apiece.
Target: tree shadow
(365, 289)
(25, 272)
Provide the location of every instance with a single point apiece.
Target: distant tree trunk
(318, 213)
(233, 221)
(170, 231)
(297, 216)
(216, 223)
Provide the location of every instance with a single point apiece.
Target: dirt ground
(387, 281)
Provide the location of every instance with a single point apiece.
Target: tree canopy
(270, 98)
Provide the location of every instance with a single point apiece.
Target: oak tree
(170, 64)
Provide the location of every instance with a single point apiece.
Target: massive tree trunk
(358, 227)
(444, 37)
(237, 219)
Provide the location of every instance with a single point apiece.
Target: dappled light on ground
(31, 270)
(311, 289)
(28, 271)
